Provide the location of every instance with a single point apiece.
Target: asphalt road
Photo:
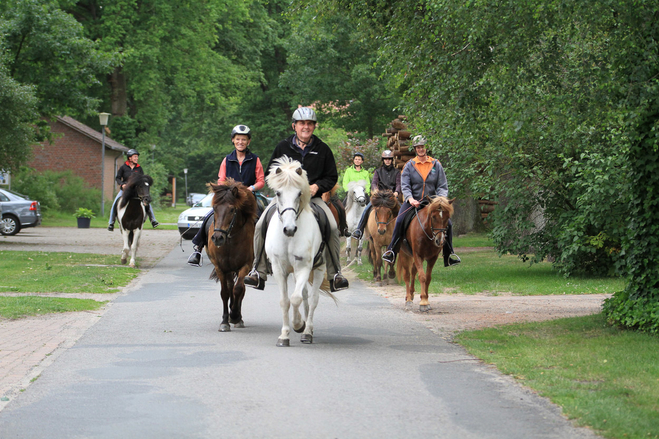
(155, 366)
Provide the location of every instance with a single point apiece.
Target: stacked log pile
(399, 141)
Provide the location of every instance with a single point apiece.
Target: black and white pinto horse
(131, 213)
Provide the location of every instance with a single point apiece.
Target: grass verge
(601, 376)
(23, 306)
(47, 272)
(163, 215)
(485, 272)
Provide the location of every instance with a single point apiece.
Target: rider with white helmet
(317, 159)
(125, 171)
(242, 165)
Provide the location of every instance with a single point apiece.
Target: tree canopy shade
(550, 107)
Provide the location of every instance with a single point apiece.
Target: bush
(640, 314)
(57, 190)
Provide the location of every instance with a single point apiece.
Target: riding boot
(359, 231)
(254, 280)
(152, 216)
(195, 257)
(113, 216)
(450, 258)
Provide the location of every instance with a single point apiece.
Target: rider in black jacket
(123, 173)
(317, 159)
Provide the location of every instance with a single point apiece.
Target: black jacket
(124, 172)
(318, 162)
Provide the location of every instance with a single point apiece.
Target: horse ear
(298, 171)
(278, 171)
(451, 201)
(234, 191)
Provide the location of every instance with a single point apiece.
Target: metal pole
(185, 171)
(103, 173)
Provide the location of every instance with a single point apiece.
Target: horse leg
(236, 316)
(377, 261)
(318, 276)
(301, 281)
(133, 247)
(124, 252)
(348, 245)
(358, 253)
(412, 270)
(285, 303)
(424, 280)
(225, 295)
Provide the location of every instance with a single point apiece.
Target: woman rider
(356, 173)
(385, 177)
(123, 173)
(241, 165)
(422, 177)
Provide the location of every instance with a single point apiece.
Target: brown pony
(425, 236)
(379, 229)
(338, 210)
(230, 249)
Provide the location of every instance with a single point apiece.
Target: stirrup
(389, 256)
(453, 259)
(357, 234)
(253, 279)
(111, 227)
(338, 283)
(154, 224)
(194, 260)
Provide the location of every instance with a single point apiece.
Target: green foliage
(640, 313)
(57, 190)
(83, 213)
(331, 64)
(371, 148)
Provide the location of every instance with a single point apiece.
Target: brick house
(77, 147)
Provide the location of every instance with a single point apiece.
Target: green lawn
(23, 306)
(50, 272)
(485, 272)
(163, 215)
(601, 376)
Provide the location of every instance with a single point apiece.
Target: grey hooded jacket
(414, 186)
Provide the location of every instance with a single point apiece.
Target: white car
(189, 221)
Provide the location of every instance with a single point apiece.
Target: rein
(434, 230)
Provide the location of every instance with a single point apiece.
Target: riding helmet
(132, 152)
(419, 141)
(387, 154)
(304, 113)
(241, 129)
(358, 154)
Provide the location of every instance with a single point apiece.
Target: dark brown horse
(230, 249)
(338, 210)
(425, 236)
(379, 229)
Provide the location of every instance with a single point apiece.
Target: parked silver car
(194, 198)
(18, 211)
(189, 221)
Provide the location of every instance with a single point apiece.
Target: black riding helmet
(358, 154)
(132, 152)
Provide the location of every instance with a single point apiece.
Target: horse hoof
(392, 275)
(240, 324)
(123, 261)
(306, 338)
(424, 308)
(131, 265)
(408, 305)
(301, 329)
(359, 262)
(283, 342)
(225, 327)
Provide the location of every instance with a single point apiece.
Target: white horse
(131, 213)
(292, 241)
(355, 203)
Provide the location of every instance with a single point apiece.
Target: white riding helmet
(241, 129)
(419, 141)
(304, 113)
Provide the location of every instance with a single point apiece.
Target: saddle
(323, 224)
(409, 217)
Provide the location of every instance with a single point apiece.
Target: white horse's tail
(324, 289)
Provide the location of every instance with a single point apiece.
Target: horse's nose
(219, 241)
(382, 231)
(290, 231)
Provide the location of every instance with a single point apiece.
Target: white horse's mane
(289, 177)
(350, 198)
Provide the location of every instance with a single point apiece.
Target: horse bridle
(378, 222)
(231, 224)
(435, 230)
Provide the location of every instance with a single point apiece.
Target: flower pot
(84, 223)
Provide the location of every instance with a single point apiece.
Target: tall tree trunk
(118, 96)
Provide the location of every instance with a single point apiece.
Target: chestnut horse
(379, 229)
(425, 237)
(230, 249)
